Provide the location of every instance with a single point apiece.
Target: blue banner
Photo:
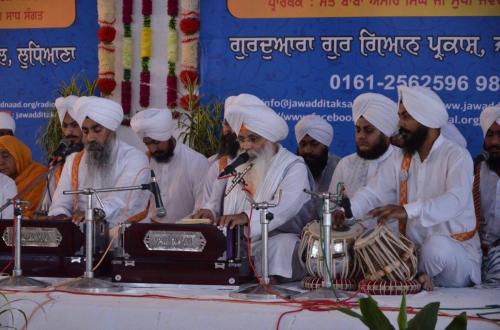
(35, 61)
(319, 65)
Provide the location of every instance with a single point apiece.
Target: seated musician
(105, 162)
(277, 176)
(213, 187)
(16, 162)
(375, 118)
(490, 194)
(179, 170)
(7, 124)
(72, 133)
(427, 188)
(8, 191)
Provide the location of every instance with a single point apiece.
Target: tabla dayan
(384, 256)
(344, 265)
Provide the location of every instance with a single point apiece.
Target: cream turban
(106, 112)
(488, 116)
(423, 105)
(316, 127)
(379, 110)
(249, 110)
(7, 122)
(64, 105)
(156, 124)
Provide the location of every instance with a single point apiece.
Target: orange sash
(403, 199)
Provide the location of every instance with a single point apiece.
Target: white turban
(106, 112)
(423, 105)
(249, 110)
(379, 110)
(64, 105)
(156, 124)
(7, 122)
(488, 116)
(316, 127)
(452, 133)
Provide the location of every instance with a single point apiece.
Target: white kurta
(181, 183)
(439, 201)
(213, 189)
(129, 168)
(7, 191)
(490, 222)
(287, 176)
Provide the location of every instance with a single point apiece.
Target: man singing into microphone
(180, 171)
(277, 176)
(105, 162)
(72, 142)
(490, 194)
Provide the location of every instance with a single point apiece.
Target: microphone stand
(88, 283)
(263, 290)
(17, 281)
(327, 290)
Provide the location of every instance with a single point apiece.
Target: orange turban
(27, 172)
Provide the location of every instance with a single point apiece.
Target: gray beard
(99, 161)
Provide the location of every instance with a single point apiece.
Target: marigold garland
(106, 49)
(190, 26)
(172, 11)
(127, 58)
(146, 34)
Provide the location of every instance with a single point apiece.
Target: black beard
(316, 164)
(376, 151)
(493, 160)
(164, 156)
(413, 141)
(228, 145)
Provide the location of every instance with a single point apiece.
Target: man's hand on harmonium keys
(203, 214)
(233, 220)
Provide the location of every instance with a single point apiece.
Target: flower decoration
(172, 11)
(127, 57)
(146, 34)
(106, 49)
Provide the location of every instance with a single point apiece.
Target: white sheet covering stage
(171, 308)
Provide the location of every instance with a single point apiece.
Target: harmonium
(175, 253)
(52, 248)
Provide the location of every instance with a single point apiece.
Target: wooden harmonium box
(174, 253)
(52, 248)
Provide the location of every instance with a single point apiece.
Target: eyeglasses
(252, 138)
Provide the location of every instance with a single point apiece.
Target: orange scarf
(27, 172)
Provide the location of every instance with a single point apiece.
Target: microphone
(229, 169)
(483, 156)
(155, 189)
(60, 150)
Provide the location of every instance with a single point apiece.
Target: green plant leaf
(459, 322)
(353, 314)
(403, 316)
(373, 316)
(426, 318)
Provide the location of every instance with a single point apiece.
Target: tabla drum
(385, 256)
(344, 265)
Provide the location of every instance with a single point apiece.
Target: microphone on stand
(155, 189)
(60, 151)
(483, 156)
(229, 169)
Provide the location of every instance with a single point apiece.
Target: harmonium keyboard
(175, 253)
(52, 248)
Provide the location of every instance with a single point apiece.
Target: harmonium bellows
(174, 253)
(52, 248)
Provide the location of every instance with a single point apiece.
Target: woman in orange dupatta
(16, 162)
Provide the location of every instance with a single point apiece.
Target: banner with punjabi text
(316, 56)
(43, 43)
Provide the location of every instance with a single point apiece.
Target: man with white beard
(277, 175)
(179, 169)
(105, 162)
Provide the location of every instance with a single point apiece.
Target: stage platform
(146, 306)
